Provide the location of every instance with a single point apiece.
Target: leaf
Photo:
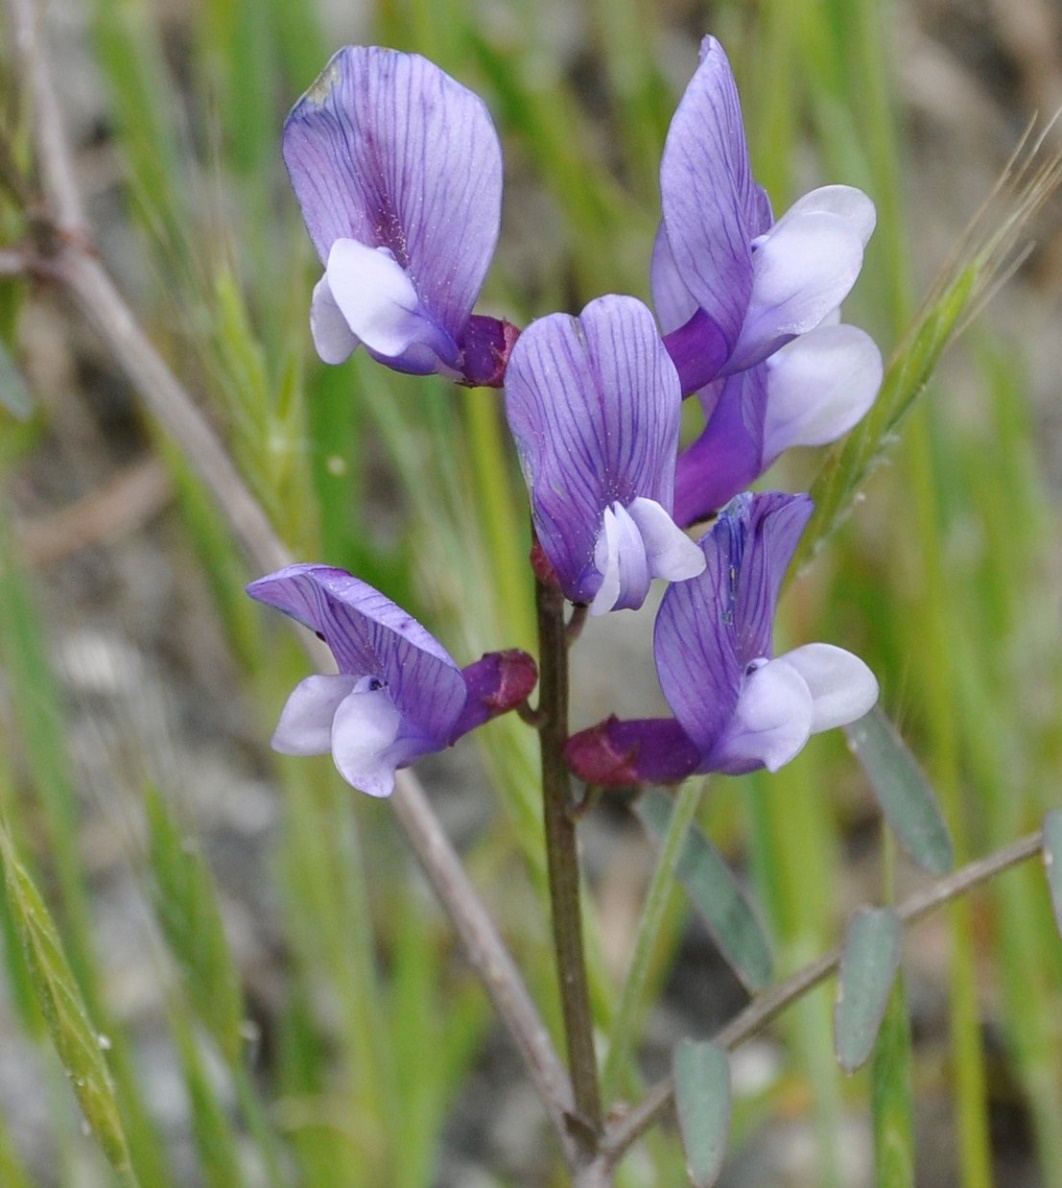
(14, 394)
(77, 1042)
(702, 1099)
(717, 895)
(1052, 853)
(188, 913)
(904, 793)
(868, 968)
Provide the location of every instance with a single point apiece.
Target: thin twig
(85, 279)
(768, 1006)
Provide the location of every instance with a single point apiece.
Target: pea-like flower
(398, 172)
(807, 393)
(737, 706)
(398, 694)
(594, 403)
(730, 284)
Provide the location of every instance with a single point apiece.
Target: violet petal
(387, 149)
(593, 403)
(708, 196)
(372, 637)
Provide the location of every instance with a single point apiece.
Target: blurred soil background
(152, 689)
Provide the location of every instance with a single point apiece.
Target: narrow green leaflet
(78, 1044)
(1052, 852)
(903, 791)
(868, 969)
(187, 910)
(702, 1099)
(717, 895)
(14, 394)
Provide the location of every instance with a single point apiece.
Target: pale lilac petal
(670, 553)
(364, 732)
(803, 268)
(387, 149)
(619, 556)
(818, 387)
(845, 202)
(770, 724)
(593, 404)
(384, 310)
(708, 195)
(332, 335)
(842, 687)
(305, 726)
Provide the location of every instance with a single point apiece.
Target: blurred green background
(280, 999)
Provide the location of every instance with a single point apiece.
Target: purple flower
(809, 392)
(737, 707)
(730, 284)
(397, 169)
(398, 695)
(593, 403)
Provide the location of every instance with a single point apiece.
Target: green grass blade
(187, 910)
(79, 1045)
(892, 1096)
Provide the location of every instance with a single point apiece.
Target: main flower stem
(563, 864)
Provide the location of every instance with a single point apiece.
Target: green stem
(563, 863)
(656, 900)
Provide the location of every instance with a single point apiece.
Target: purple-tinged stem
(563, 864)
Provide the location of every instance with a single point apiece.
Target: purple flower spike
(593, 403)
(397, 169)
(398, 695)
(808, 393)
(736, 706)
(730, 284)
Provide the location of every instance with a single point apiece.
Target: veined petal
(707, 193)
(370, 636)
(842, 687)
(305, 726)
(818, 387)
(593, 403)
(673, 302)
(387, 149)
(332, 335)
(364, 733)
(768, 527)
(711, 627)
(803, 268)
(770, 723)
(382, 308)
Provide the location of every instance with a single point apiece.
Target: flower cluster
(397, 169)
